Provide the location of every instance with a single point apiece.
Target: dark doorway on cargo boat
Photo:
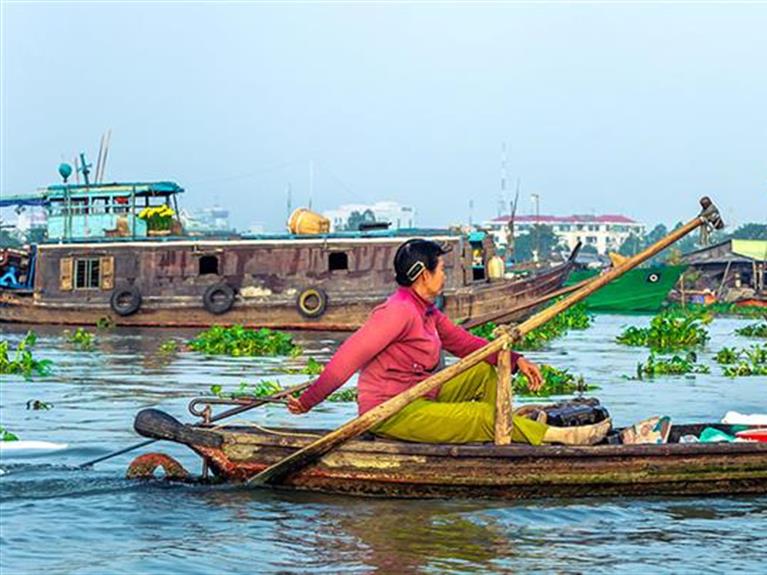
(208, 265)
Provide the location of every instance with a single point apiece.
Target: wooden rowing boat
(380, 467)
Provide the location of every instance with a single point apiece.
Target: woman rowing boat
(400, 345)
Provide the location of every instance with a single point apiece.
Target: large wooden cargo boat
(103, 261)
(381, 467)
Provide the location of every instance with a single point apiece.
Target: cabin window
(79, 206)
(338, 261)
(99, 206)
(120, 205)
(87, 274)
(208, 265)
(57, 209)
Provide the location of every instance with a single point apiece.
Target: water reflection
(387, 536)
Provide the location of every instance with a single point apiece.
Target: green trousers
(463, 412)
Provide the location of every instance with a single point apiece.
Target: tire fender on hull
(125, 301)
(311, 302)
(218, 298)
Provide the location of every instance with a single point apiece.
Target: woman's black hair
(415, 256)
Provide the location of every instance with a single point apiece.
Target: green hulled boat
(639, 290)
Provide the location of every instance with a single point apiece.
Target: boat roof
(373, 236)
(730, 250)
(45, 196)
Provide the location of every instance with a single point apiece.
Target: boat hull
(344, 312)
(385, 468)
(638, 290)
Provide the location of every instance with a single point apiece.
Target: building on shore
(733, 270)
(606, 233)
(348, 216)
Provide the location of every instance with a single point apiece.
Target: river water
(55, 518)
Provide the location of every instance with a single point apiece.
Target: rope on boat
(244, 423)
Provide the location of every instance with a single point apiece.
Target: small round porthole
(653, 278)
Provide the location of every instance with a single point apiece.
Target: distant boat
(118, 253)
(638, 290)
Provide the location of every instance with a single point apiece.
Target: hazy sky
(605, 108)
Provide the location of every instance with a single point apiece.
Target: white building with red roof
(606, 232)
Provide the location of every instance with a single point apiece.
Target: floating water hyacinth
(555, 382)
(312, 367)
(669, 331)
(168, 347)
(720, 309)
(727, 355)
(574, 317)
(263, 388)
(753, 330)
(239, 341)
(80, 339)
(23, 362)
(675, 365)
(743, 362)
(6, 435)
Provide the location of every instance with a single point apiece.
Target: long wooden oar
(256, 402)
(299, 459)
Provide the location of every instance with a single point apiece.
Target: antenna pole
(98, 159)
(502, 199)
(86, 168)
(290, 200)
(311, 182)
(104, 159)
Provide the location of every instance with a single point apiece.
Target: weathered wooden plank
(503, 421)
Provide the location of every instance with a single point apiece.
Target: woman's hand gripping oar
(279, 397)
(709, 216)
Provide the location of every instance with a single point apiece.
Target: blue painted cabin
(81, 212)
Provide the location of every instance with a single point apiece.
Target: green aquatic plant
(344, 395)
(555, 382)
(105, 322)
(755, 355)
(240, 341)
(744, 368)
(23, 361)
(669, 331)
(753, 330)
(263, 388)
(485, 331)
(312, 367)
(721, 309)
(727, 355)
(676, 365)
(574, 317)
(168, 347)
(81, 339)
(6, 435)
